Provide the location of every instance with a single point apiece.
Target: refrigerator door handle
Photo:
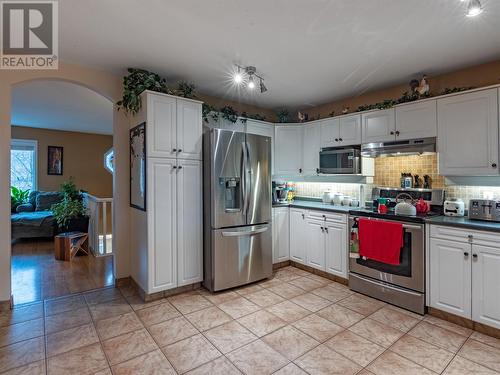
(245, 177)
(243, 233)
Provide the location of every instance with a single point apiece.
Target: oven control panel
(484, 209)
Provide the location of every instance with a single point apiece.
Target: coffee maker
(280, 192)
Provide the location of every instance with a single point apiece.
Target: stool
(67, 245)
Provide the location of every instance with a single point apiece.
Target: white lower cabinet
(336, 249)
(189, 222)
(174, 223)
(298, 233)
(465, 274)
(486, 284)
(281, 234)
(450, 276)
(319, 240)
(315, 236)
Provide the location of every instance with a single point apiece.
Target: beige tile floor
(295, 323)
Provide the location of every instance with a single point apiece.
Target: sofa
(34, 219)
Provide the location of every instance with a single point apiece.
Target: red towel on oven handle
(380, 240)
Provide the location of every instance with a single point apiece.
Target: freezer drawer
(241, 255)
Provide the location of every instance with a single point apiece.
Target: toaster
(484, 209)
(454, 207)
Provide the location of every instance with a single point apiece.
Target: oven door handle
(415, 227)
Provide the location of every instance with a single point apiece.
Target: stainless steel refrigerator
(237, 208)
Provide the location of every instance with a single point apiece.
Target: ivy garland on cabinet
(139, 80)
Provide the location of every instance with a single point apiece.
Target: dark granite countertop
(464, 222)
(315, 205)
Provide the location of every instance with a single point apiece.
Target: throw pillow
(26, 207)
(45, 200)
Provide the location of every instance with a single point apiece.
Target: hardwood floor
(36, 275)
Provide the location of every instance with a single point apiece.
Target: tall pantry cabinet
(167, 238)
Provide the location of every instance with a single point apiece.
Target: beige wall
(476, 76)
(82, 159)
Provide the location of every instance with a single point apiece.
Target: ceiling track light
(474, 8)
(251, 74)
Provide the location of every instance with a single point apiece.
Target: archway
(105, 84)
(61, 132)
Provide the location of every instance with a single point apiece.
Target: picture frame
(55, 160)
(138, 189)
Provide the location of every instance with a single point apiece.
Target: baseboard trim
(464, 322)
(277, 266)
(166, 293)
(7, 305)
(324, 274)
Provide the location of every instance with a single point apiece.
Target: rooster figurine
(423, 87)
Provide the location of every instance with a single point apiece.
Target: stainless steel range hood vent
(399, 148)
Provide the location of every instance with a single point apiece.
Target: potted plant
(18, 197)
(70, 214)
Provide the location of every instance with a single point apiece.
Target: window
(23, 164)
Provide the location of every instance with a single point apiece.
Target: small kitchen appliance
(454, 207)
(280, 192)
(340, 160)
(484, 209)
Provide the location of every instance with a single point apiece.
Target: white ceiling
(60, 105)
(309, 51)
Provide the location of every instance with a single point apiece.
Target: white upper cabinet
(341, 131)
(350, 130)
(378, 126)
(310, 148)
(468, 134)
(416, 120)
(450, 276)
(329, 132)
(336, 249)
(161, 133)
(486, 284)
(288, 143)
(174, 127)
(189, 129)
(189, 221)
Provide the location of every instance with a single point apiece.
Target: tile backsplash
(388, 170)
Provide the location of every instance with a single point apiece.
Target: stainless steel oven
(340, 160)
(403, 284)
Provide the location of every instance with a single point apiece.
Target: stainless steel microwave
(340, 160)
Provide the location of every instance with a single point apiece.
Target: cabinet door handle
(326, 229)
(300, 170)
(303, 216)
(322, 229)
(179, 150)
(392, 133)
(494, 165)
(397, 133)
(336, 139)
(174, 150)
(340, 139)
(470, 237)
(474, 256)
(174, 167)
(466, 254)
(180, 167)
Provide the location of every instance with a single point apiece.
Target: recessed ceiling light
(474, 8)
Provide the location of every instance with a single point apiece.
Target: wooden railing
(100, 224)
